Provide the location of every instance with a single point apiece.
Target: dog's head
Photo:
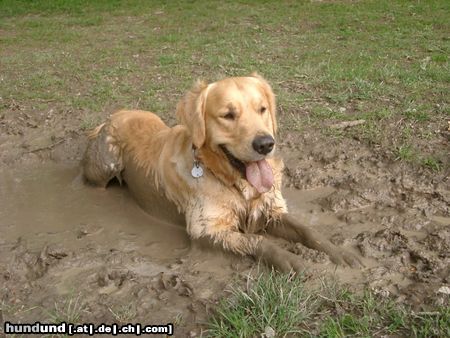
(234, 119)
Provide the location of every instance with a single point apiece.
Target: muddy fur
(102, 161)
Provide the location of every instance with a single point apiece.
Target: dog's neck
(217, 162)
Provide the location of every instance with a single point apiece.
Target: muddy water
(51, 205)
(65, 243)
(61, 240)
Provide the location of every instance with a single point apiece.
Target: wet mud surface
(397, 218)
(73, 252)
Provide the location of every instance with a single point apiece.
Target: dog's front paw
(286, 261)
(343, 257)
(282, 260)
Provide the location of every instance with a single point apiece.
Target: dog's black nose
(263, 144)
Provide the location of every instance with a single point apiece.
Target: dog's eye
(263, 110)
(229, 116)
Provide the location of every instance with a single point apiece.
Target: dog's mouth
(258, 173)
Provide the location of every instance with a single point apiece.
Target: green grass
(69, 310)
(125, 313)
(287, 307)
(432, 163)
(382, 60)
(89, 122)
(273, 302)
(404, 152)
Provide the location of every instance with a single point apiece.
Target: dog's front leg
(253, 245)
(292, 230)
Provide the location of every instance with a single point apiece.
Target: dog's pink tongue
(260, 175)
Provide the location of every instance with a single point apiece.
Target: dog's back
(103, 159)
(128, 147)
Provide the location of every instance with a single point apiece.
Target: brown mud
(62, 241)
(76, 253)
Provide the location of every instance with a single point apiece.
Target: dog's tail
(102, 160)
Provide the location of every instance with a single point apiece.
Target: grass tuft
(274, 301)
(432, 163)
(404, 152)
(124, 313)
(68, 310)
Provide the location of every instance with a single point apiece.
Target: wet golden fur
(221, 206)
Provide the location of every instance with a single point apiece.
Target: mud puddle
(51, 205)
(64, 243)
(70, 252)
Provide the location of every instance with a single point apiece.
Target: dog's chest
(254, 210)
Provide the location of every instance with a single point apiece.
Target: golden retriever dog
(216, 170)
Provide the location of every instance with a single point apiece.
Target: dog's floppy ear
(191, 112)
(267, 89)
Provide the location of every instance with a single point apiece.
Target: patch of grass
(124, 313)
(404, 152)
(432, 163)
(275, 302)
(377, 115)
(417, 114)
(284, 305)
(76, 7)
(431, 324)
(68, 310)
(14, 309)
(324, 113)
(385, 61)
(89, 122)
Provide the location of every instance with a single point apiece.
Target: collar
(235, 162)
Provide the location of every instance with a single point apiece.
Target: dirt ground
(76, 253)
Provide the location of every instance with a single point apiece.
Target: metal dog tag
(197, 170)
